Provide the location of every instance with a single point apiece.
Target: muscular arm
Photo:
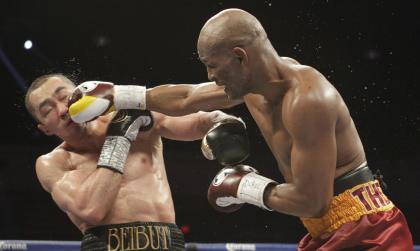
(311, 123)
(88, 196)
(182, 99)
(187, 128)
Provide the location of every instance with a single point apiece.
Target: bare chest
(144, 157)
(270, 123)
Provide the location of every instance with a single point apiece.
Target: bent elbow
(317, 207)
(91, 214)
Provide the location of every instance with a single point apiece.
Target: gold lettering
(131, 238)
(124, 240)
(142, 232)
(167, 233)
(138, 238)
(163, 232)
(122, 235)
(113, 232)
(151, 238)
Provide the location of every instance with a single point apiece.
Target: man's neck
(272, 79)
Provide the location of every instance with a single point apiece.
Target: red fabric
(381, 231)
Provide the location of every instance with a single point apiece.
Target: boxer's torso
(270, 117)
(144, 193)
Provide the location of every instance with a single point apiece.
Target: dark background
(368, 49)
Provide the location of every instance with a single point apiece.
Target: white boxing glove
(92, 99)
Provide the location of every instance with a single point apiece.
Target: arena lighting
(12, 70)
(28, 44)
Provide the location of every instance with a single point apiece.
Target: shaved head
(233, 46)
(230, 28)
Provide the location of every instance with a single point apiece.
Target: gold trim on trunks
(350, 205)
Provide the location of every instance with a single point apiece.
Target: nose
(63, 110)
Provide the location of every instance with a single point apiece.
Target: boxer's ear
(240, 54)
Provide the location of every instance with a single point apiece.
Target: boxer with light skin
(307, 127)
(108, 175)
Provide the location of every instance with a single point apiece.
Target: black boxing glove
(236, 185)
(227, 141)
(123, 130)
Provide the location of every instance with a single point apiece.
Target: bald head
(234, 46)
(230, 28)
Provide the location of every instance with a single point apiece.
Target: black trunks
(134, 236)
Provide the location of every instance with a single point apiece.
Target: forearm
(182, 99)
(287, 198)
(190, 127)
(96, 195)
(170, 99)
(101, 187)
(209, 119)
(92, 99)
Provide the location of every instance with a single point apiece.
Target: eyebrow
(47, 100)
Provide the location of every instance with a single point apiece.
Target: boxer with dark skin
(95, 195)
(304, 121)
(302, 117)
(307, 127)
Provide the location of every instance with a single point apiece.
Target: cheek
(235, 74)
(223, 73)
(51, 119)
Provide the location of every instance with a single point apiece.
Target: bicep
(209, 96)
(184, 128)
(51, 174)
(313, 163)
(64, 192)
(314, 151)
(182, 99)
(48, 172)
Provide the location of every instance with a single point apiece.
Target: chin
(229, 94)
(233, 96)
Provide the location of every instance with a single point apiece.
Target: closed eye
(45, 112)
(64, 98)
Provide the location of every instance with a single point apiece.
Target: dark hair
(38, 82)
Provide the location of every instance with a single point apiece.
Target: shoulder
(51, 167)
(290, 60)
(56, 156)
(310, 105)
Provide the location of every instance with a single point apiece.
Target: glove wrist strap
(130, 97)
(251, 189)
(114, 153)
